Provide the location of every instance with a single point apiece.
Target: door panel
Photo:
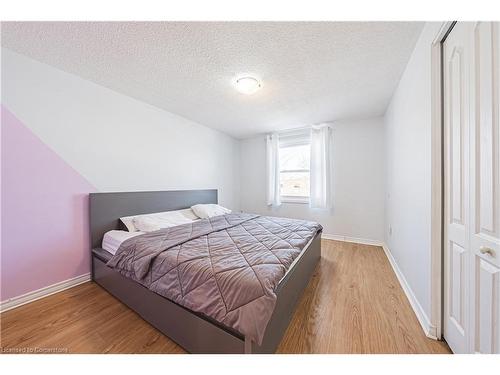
(487, 307)
(458, 283)
(456, 61)
(485, 191)
(456, 121)
(485, 129)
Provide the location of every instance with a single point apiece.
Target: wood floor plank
(353, 304)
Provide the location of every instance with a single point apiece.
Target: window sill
(298, 200)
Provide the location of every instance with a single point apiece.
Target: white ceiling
(311, 71)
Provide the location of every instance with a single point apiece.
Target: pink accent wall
(45, 236)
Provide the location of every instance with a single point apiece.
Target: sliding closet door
(485, 191)
(456, 75)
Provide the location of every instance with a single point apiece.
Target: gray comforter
(226, 267)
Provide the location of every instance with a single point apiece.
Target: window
(299, 167)
(294, 158)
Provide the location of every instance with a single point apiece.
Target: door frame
(437, 178)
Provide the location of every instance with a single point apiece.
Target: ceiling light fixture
(247, 85)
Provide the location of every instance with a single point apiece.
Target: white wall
(408, 170)
(117, 143)
(358, 188)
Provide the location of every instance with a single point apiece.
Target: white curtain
(273, 170)
(321, 167)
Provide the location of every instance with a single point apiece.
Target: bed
(195, 332)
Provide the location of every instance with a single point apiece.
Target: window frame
(300, 138)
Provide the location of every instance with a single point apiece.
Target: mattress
(114, 238)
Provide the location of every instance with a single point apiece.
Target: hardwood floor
(353, 304)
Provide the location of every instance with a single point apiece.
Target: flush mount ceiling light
(247, 85)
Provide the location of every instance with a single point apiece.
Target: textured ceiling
(311, 71)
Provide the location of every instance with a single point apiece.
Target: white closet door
(456, 75)
(485, 190)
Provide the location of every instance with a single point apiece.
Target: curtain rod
(299, 129)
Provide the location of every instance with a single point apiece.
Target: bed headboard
(107, 208)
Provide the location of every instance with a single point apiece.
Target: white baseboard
(363, 241)
(14, 302)
(429, 330)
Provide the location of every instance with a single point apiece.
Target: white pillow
(209, 210)
(168, 218)
(188, 213)
(152, 222)
(128, 221)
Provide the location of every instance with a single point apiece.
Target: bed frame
(195, 332)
